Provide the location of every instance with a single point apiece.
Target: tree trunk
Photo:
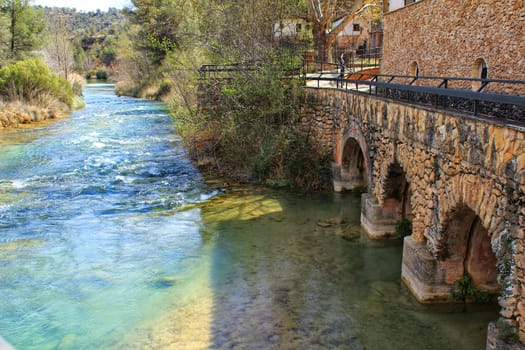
(322, 42)
(13, 29)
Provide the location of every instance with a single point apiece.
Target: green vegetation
(31, 81)
(93, 38)
(37, 79)
(21, 30)
(251, 132)
(101, 74)
(467, 292)
(403, 227)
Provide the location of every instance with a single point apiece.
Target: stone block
(422, 273)
(374, 220)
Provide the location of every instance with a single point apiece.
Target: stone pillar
(377, 223)
(424, 275)
(336, 178)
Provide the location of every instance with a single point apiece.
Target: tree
(244, 30)
(59, 51)
(159, 22)
(4, 35)
(322, 14)
(25, 26)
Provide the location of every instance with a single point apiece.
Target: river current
(111, 239)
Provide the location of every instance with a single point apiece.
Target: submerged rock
(335, 221)
(164, 282)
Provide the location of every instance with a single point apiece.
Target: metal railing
(224, 71)
(448, 93)
(227, 71)
(360, 59)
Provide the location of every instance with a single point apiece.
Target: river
(111, 239)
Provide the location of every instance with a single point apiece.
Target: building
(396, 4)
(359, 34)
(468, 39)
(291, 30)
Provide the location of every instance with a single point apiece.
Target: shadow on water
(282, 279)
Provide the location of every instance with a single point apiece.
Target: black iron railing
(359, 59)
(224, 71)
(478, 97)
(291, 65)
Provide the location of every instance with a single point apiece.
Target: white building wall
(396, 4)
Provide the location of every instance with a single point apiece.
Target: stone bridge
(460, 179)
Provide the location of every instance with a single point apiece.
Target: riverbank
(18, 115)
(14, 115)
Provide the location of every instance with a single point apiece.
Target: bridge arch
(352, 169)
(396, 192)
(390, 200)
(465, 237)
(469, 250)
(413, 69)
(479, 71)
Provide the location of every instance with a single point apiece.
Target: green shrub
(90, 74)
(102, 74)
(32, 81)
(250, 125)
(467, 292)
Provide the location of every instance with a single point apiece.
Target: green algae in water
(8, 198)
(12, 250)
(21, 243)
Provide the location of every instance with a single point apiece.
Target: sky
(84, 5)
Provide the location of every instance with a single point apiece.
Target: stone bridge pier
(460, 180)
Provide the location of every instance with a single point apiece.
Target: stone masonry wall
(449, 161)
(446, 37)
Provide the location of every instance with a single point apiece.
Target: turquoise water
(110, 239)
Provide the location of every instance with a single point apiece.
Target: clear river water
(111, 239)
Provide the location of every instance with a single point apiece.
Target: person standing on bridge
(342, 67)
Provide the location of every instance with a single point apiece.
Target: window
(413, 69)
(356, 27)
(479, 71)
(298, 27)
